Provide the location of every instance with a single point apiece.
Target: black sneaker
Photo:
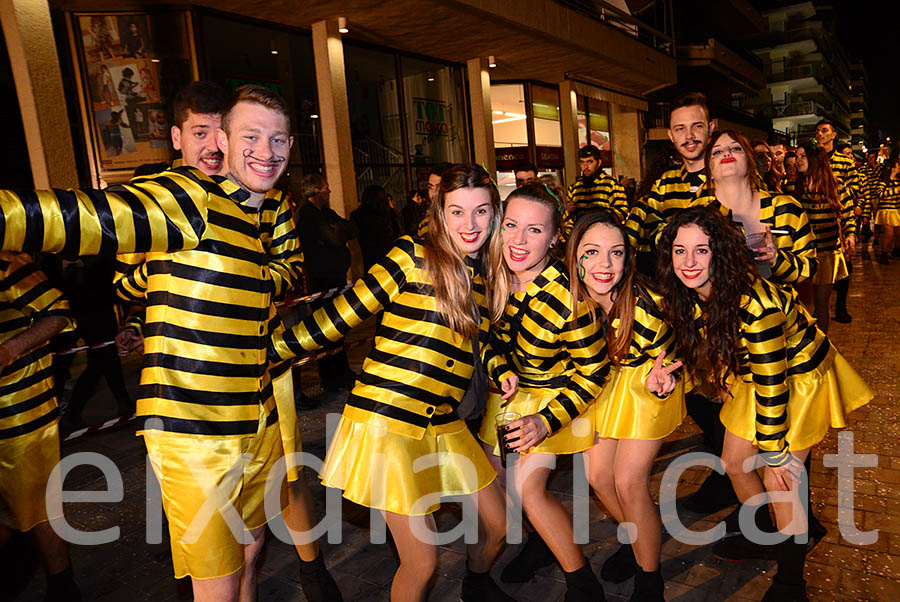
(738, 547)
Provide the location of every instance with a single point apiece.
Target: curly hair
(713, 354)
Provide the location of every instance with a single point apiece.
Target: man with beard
(596, 189)
(210, 398)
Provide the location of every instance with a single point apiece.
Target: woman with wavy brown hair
(400, 445)
(778, 376)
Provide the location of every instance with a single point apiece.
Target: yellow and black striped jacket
(795, 251)
(888, 196)
(830, 228)
(209, 288)
(549, 345)
(779, 339)
(419, 369)
(676, 189)
(869, 179)
(650, 334)
(844, 169)
(600, 192)
(27, 400)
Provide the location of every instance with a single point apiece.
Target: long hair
(773, 177)
(715, 352)
(446, 265)
(752, 175)
(618, 342)
(818, 181)
(537, 192)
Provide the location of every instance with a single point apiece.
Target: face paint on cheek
(502, 230)
(582, 272)
(247, 153)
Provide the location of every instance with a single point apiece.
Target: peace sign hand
(661, 381)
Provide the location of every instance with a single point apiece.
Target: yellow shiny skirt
(832, 267)
(887, 217)
(26, 467)
(575, 437)
(404, 475)
(818, 400)
(626, 410)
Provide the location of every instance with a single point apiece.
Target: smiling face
(467, 212)
(256, 145)
(527, 232)
(689, 131)
(601, 259)
(196, 139)
(691, 258)
(802, 160)
(728, 159)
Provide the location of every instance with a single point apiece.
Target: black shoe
(533, 555)
(738, 547)
(648, 587)
(61, 587)
(783, 592)
(479, 587)
(582, 586)
(621, 566)
(842, 316)
(716, 493)
(883, 259)
(732, 522)
(317, 583)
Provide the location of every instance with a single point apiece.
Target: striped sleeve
(889, 195)
(795, 252)
(585, 342)
(130, 278)
(766, 347)
(279, 234)
(28, 290)
(166, 212)
(337, 316)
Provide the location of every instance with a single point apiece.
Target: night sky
(870, 31)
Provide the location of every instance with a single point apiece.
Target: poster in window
(131, 64)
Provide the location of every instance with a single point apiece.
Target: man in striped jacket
(596, 189)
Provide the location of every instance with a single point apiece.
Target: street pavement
(128, 569)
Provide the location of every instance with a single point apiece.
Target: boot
(61, 587)
(582, 586)
(648, 587)
(788, 584)
(621, 566)
(738, 547)
(317, 583)
(479, 587)
(533, 555)
(716, 493)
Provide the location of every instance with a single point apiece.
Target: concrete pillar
(480, 104)
(42, 101)
(568, 114)
(626, 141)
(334, 116)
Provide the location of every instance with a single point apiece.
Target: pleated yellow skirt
(832, 267)
(626, 410)
(818, 400)
(575, 437)
(887, 217)
(392, 472)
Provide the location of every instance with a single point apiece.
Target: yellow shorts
(208, 548)
(26, 462)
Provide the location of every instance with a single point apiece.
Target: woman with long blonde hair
(400, 445)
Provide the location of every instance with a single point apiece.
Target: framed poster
(129, 65)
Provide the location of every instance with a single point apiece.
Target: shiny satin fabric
(289, 426)
(210, 551)
(575, 437)
(381, 469)
(626, 410)
(819, 400)
(832, 267)
(887, 217)
(26, 463)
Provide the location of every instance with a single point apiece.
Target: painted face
(825, 134)
(689, 131)
(601, 259)
(588, 165)
(527, 233)
(727, 158)
(468, 214)
(802, 161)
(525, 177)
(257, 147)
(196, 139)
(691, 257)
(434, 184)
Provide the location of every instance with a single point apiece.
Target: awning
(632, 102)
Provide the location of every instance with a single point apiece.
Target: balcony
(610, 15)
(807, 70)
(737, 69)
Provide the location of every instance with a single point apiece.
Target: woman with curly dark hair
(643, 402)
(779, 377)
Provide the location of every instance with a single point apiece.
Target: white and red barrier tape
(88, 430)
(85, 348)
